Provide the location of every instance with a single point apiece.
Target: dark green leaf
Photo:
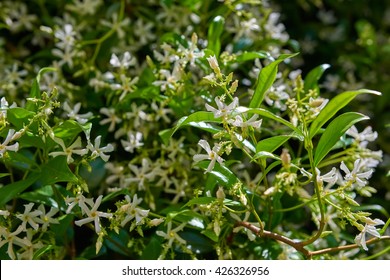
(56, 170)
(334, 131)
(272, 143)
(44, 195)
(153, 250)
(314, 75)
(265, 80)
(222, 174)
(197, 117)
(12, 190)
(334, 105)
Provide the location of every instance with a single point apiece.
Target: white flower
(74, 113)
(171, 79)
(213, 62)
(171, 235)
(94, 215)
(367, 135)
(330, 177)
(11, 238)
(66, 37)
(223, 110)
(239, 122)
(29, 217)
(211, 155)
(98, 151)
(276, 95)
(79, 200)
(4, 147)
(126, 61)
(356, 176)
(112, 119)
(47, 218)
(145, 172)
(135, 141)
(132, 211)
(69, 151)
(369, 228)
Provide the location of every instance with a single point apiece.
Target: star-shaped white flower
(171, 235)
(223, 110)
(94, 215)
(369, 228)
(211, 155)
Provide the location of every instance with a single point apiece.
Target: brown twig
(300, 246)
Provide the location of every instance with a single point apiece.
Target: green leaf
(372, 207)
(19, 117)
(44, 195)
(272, 143)
(221, 173)
(245, 56)
(196, 117)
(314, 75)
(265, 80)
(35, 91)
(334, 105)
(68, 129)
(214, 34)
(153, 250)
(56, 170)
(4, 175)
(334, 131)
(269, 115)
(199, 200)
(43, 250)
(12, 190)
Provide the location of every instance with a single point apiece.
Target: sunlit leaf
(265, 80)
(314, 75)
(334, 131)
(214, 34)
(334, 105)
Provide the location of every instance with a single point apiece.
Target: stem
(300, 247)
(347, 247)
(319, 198)
(275, 236)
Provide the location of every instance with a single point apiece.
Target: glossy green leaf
(265, 80)
(269, 115)
(42, 251)
(153, 250)
(245, 56)
(334, 105)
(334, 131)
(314, 75)
(214, 34)
(19, 117)
(221, 173)
(197, 117)
(13, 190)
(44, 195)
(56, 170)
(372, 207)
(68, 129)
(272, 143)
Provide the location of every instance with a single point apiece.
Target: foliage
(176, 130)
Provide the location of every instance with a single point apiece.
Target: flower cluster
(181, 124)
